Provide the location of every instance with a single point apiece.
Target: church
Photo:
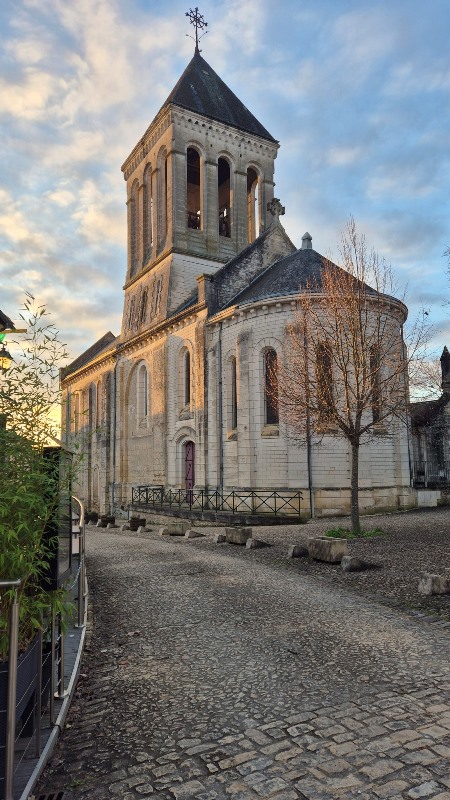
(181, 399)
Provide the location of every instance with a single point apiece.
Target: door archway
(189, 468)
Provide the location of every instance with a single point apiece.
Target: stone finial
(445, 367)
(306, 241)
(276, 209)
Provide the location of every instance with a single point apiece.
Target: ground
(215, 672)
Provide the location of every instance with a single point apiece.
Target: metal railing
(428, 473)
(242, 502)
(35, 679)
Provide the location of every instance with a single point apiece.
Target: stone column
(210, 207)
(240, 210)
(179, 205)
(171, 190)
(267, 190)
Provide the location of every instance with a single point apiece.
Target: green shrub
(345, 533)
(29, 488)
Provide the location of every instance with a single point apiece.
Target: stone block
(325, 548)
(175, 529)
(238, 535)
(433, 584)
(193, 534)
(353, 564)
(125, 527)
(297, 551)
(252, 544)
(111, 525)
(219, 538)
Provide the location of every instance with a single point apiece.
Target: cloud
(28, 97)
(61, 197)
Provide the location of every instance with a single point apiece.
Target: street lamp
(6, 326)
(6, 358)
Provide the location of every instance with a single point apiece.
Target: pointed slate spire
(202, 91)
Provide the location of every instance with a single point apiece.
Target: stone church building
(180, 399)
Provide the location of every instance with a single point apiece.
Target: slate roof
(5, 322)
(425, 411)
(289, 275)
(94, 350)
(201, 90)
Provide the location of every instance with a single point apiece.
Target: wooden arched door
(189, 469)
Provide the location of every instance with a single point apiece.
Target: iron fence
(242, 502)
(427, 473)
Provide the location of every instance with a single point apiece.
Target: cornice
(131, 345)
(154, 132)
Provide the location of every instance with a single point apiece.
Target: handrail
(82, 567)
(16, 582)
(13, 636)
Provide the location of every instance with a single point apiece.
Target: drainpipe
(220, 414)
(113, 499)
(308, 437)
(411, 469)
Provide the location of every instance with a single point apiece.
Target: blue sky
(356, 91)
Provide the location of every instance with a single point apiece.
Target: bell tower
(198, 184)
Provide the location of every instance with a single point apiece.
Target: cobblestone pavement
(214, 672)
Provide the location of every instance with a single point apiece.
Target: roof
(425, 411)
(299, 270)
(5, 322)
(92, 352)
(202, 91)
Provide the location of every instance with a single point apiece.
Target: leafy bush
(29, 488)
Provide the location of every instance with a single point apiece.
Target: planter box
(324, 548)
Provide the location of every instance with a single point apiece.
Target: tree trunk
(354, 495)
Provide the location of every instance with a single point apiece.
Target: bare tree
(425, 379)
(345, 367)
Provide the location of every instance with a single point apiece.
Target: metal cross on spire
(199, 23)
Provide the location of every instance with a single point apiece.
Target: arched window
(142, 393)
(324, 378)
(375, 382)
(224, 194)
(148, 213)
(76, 413)
(134, 227)
(271, 416)
(252, 204)
(92, 396)
(233, 392)
(193, 199)
(98, 404)
(187, 378)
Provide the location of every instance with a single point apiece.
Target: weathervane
(198, 21)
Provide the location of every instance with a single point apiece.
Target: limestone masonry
(181, 398)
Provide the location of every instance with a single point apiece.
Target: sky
(357, 92)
